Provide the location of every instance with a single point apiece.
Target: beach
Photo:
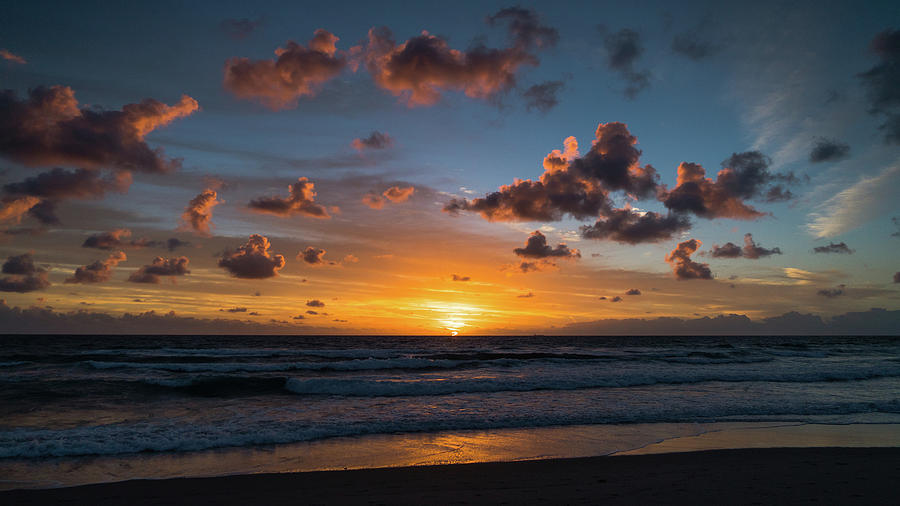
(744, 476)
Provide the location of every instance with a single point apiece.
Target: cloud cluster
(457, 277)
(882, 83)
(571, 185)
(536, 247)
(376, 140)
(394, 194)
(38, 196)
(623, 49)
(743, 176)
(48, 128)
(99, 271)
(197, 216)
(633, 291)
(297, 71)
(160, 267)
(682, 265)
(301, 201)
(315, 303)
(252, 260)
(630, 227)
(421, 68)
(750, 250)
(840, 248)
(22, 275)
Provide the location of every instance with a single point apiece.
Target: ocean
(80, 397)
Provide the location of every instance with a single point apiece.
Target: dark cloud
(160, 267)
(750, 250)
(252, 260)
(882, 83)
(51, 187)
(896, 222)
(299, 317)
(525, 295)
(682, 265)
(728, 250)
(536, 247)
(23, 275)
(623, 49)
(313, 313)
(543, 96)
(694, 45)
(743, 176)
(631, 227)
(633, 291)
(840, 248)
(99, 271)
(616, 299)
(48, 128)
(234, 310)
(298, 71)
(314, 256)
(107, 240)
(197, 216)
(573, 185)
(376, 140)
(315, 303)
(828, 150)
(239, 29)
(301, 201)
(174, 243)
(897, 277)
(832, 292)
(424, 66)
(525, 29)
(457, 277)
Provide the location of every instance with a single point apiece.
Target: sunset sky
(476, 167)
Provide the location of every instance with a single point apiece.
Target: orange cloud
(49, 128)
(421, 68)
(300, 202)
(298, 71)
(6, 55)
(99, 271)
(198, 214)
(682, 265)
(252, 260)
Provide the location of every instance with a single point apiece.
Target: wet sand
(745, 476)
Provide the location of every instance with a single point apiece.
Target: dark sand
(751, 476)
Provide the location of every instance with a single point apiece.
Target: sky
(474, 168)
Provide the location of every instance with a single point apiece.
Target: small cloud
(315, 303)
(616, 299)
(376, 140)
(457, 277)
(840, 248)
(10, 57)
(633, 291)
(234, 310)
(832, 292)
(526, 296)
(239, 29)
(828, 150)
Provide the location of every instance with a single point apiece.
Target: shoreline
(444, 448)
(829, 475)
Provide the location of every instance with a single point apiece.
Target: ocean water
(85, 396)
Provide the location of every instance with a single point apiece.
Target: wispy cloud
(868, 198)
